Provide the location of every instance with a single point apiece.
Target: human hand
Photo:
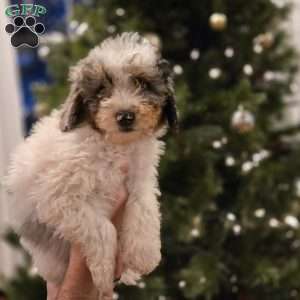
(77, 284)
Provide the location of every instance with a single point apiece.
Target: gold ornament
(242, 120)
(265, 40)
(218, 21)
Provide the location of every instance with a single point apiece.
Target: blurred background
(230, 179)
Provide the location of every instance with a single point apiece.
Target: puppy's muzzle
(125, 120)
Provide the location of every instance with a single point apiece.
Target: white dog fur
(64, 183)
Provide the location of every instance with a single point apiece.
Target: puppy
(64, 177)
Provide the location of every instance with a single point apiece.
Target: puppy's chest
(110, 179)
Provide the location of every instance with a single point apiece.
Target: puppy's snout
(125, 119)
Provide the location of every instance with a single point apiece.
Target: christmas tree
(230, 178)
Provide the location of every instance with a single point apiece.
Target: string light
(269, 76)
(215, 73)
(43, 51)
(55, 37)
(260, 213)
(231, 217)
(203, 280)
(73, 24)
(195, 54)
(237, 229)
(247, 166)
(291, 221)
(178, 69)
(259, 157)
(182, 284)
(257, 48)
(111, 28)
(195, 232)
(248, 69)
(274, 223)
(120, 12)
(229, 52)
(272, 76)
(142, 285)
(230, 161)
(82, 28)
(217, 144)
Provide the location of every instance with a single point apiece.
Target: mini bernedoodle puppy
(65, 176)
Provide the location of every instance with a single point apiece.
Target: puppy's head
(123, 88)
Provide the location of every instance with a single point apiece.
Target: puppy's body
(53, 169)
(65, 176)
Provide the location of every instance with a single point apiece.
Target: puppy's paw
(107, 296)
(141, 258)
(103, 281)
(130, 277)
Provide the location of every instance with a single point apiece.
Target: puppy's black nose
(125, 119)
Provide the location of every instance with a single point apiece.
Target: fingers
(76, 256)
(78, 280)
(77, 268)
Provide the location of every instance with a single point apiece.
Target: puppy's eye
(141, 83)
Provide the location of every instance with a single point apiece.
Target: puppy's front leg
(139, 242)
(77, 222)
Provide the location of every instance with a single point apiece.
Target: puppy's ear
(72, 111)
(169, 110)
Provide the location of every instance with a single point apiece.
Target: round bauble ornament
(265, 40)
(242, 121)
(218, 21)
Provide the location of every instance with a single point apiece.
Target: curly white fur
(67, 181)
(64, 177)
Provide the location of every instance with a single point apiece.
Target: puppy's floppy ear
(169, 110)
(73, 110)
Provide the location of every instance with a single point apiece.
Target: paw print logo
(25, 31)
